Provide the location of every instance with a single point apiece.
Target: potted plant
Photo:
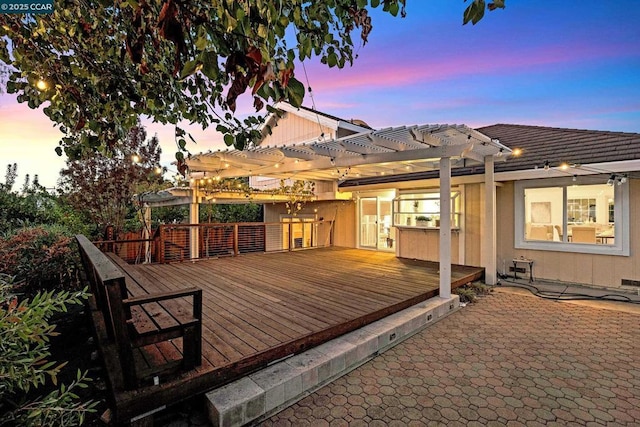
(423, 221)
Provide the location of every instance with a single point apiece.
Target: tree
(25, 331)
(34, 205)
(103, 185)
(10, 177)
(101, 65)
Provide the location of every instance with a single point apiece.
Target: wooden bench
(140, 332)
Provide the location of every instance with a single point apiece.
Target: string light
(612, 179)
(41, 84)
(135, 158)
(516, 152)
(500, 153)
(575, 178)
(546, 165)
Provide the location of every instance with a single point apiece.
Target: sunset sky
(573, 64)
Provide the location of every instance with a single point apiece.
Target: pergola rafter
(396, 150)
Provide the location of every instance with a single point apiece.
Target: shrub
(481, 288)
(24, 348)
(467, 295)
(40, 258)
(469, 292)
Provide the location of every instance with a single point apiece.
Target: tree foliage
(24, 351)
(34, 205)
(103, 185)
(101, 65)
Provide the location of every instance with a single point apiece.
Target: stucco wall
(596, 270)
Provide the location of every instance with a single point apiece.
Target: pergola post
(194, 230)
(146, 232)
(445, 227)
(489, 246)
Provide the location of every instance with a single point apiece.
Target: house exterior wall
(473, 216)
(293, 129)
(424, 244)
(596, 270)
(343, 213)
(466, 243)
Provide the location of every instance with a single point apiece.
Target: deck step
(266, 392)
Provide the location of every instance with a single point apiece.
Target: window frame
(621, 214)
(430, 195)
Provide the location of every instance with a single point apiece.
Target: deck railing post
(160, 248)
(235, 239)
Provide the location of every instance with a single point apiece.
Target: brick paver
(508, 359)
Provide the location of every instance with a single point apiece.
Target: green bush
(40, 258)
(24, 349)
(467, 295)
(469, 292)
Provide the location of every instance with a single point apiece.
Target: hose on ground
(563, 295)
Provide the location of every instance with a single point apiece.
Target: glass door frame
(383, 241)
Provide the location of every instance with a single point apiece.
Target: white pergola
(376, 153)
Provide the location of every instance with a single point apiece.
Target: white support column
(146, 232)
(445, 227)
(489, 243)
(194, 219)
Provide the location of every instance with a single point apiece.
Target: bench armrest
(162, 296)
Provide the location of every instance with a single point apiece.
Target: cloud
(382, 72)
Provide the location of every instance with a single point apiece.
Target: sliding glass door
(376, 231)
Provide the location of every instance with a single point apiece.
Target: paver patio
(510, 359)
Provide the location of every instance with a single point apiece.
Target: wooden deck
(262, 307)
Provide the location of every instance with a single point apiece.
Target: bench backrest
(107, 285)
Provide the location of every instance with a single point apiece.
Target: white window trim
(621, 212)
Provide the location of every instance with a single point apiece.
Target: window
(302, 229)
(560, 215)
(423, 210)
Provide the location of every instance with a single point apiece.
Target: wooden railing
(181, 242)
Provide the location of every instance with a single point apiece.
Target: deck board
(261, 307)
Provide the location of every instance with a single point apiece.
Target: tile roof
(557, 145)
(538, 144)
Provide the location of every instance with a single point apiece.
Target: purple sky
(573, 64)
